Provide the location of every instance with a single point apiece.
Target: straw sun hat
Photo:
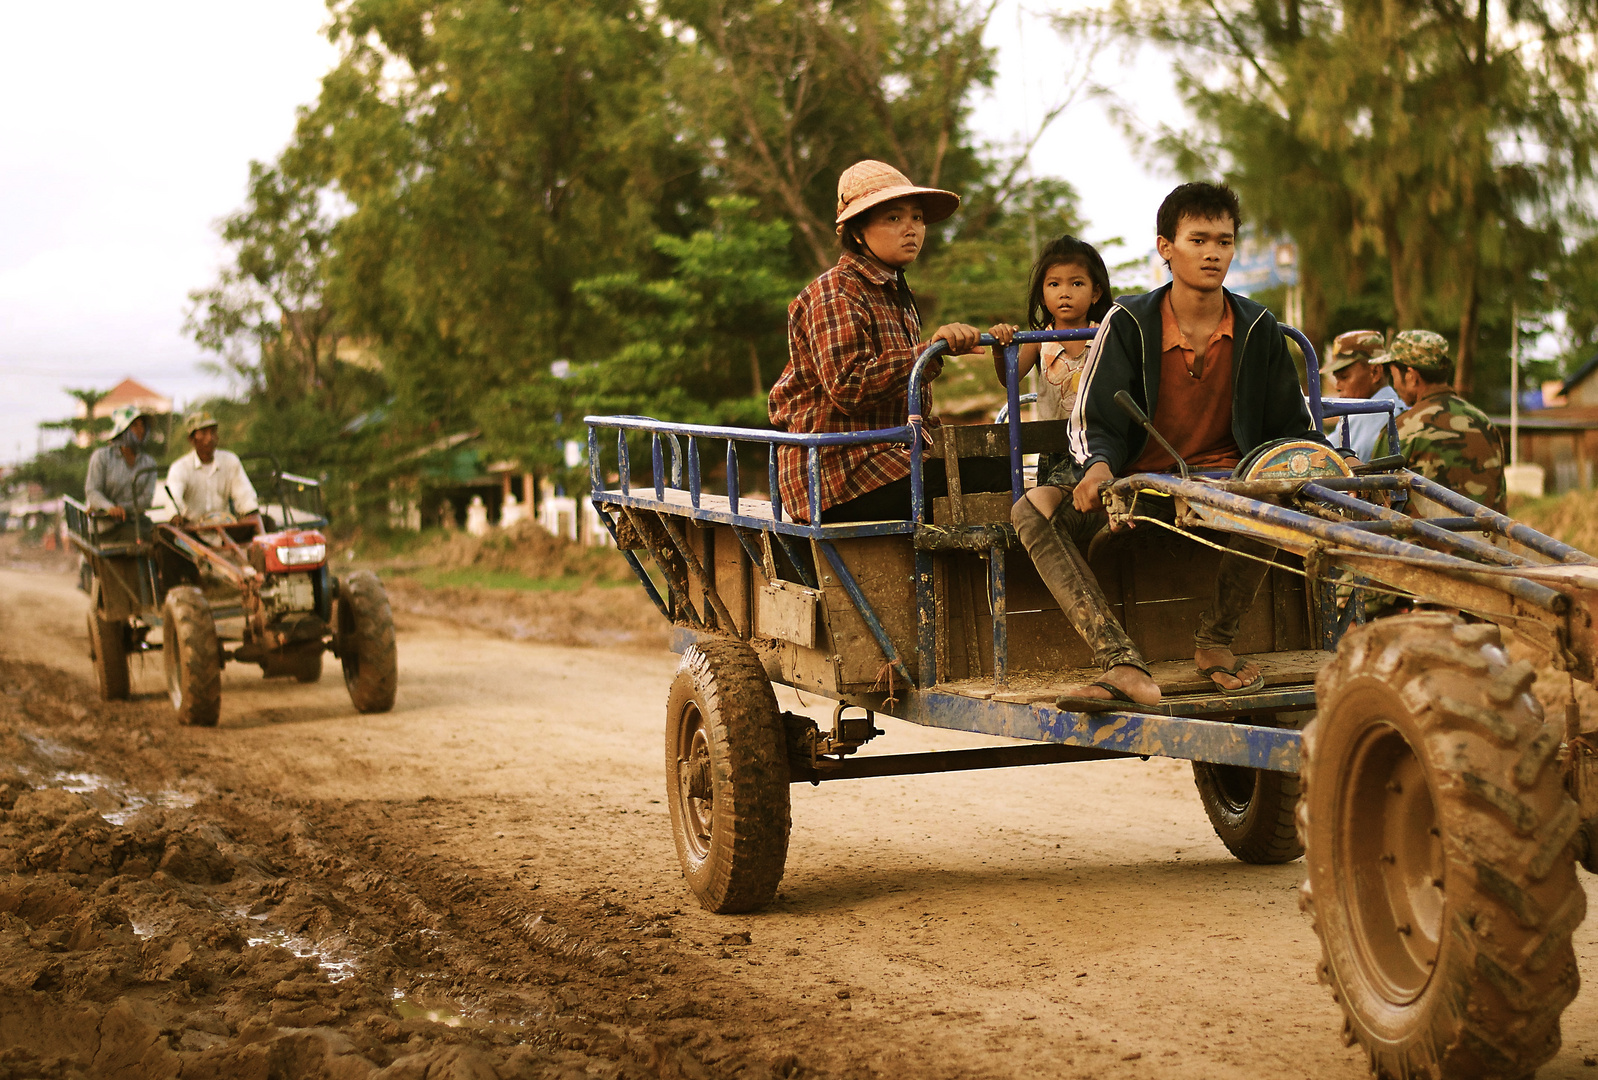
(871, 183)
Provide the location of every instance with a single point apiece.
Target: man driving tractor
(208, 484)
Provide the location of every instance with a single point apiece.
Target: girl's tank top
(1060, 380)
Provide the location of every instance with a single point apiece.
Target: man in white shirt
(207, 484)
(1357, 376)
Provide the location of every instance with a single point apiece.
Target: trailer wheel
(366, 642)
(108, 648)
(193, 657)
(727, 777)
(1441, 879)
(1251, 811)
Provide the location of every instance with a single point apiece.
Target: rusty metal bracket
(697, 572)
(676, 583)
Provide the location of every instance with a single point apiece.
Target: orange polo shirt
(1194, 408)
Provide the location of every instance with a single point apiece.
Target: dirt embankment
(523, 584)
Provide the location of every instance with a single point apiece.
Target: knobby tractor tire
(727, 777)
(1252, 811)
(366, 642)
(193, 657)
(1438, 835)
(108, 648)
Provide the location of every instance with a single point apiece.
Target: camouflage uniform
(1445, 437)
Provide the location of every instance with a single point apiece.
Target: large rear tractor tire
(1441, 878)
(727, 777)
(1251, 810)
(366, 642)
(108, 648)
(193, 657)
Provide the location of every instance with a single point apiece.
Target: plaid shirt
(851, 346)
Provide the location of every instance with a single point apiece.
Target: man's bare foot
(1209, 659)
(1134, 682)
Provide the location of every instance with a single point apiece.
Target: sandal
(1221, 669)
(1116, 702)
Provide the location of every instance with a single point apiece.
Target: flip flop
(1222, 669)
(1118, 701)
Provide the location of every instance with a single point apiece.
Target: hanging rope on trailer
(885, 674)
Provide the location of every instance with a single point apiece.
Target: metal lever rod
(1124, 399)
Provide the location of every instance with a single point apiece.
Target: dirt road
(1071, 920)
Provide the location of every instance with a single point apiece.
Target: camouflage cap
(1424, 350)
(1367, 345)
(196, 421)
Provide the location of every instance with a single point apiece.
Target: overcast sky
(129, 130)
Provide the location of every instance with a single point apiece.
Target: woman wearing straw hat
(853, 336)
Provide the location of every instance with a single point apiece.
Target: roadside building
(1561, 436)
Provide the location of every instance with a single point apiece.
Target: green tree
(490, 155)
(705, 339)
(88, 425)
(786, 94)
(1444, 138)
(267, 314)
(982, 277)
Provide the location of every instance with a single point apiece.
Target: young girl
(1070, 291)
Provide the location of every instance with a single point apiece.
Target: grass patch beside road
(477, 577)
(1571, 518)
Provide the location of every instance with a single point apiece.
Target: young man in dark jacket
(1213, 372)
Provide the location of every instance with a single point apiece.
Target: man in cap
(208, 484)
(1357, 373)
(1445, 437)
(114, 485)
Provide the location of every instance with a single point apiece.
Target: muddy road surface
(482, 884)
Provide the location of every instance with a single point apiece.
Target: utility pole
(1514, 382)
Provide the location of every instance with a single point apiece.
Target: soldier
(1445, 437)
(1358, 373)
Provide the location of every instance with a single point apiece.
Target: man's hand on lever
(1086, 495)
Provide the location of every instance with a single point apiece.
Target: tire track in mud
(252, 935)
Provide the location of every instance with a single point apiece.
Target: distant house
(127, 392)
(1563, 439)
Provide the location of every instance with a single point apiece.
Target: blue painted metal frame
(1220, 742)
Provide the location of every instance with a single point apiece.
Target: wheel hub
(695, 790)
(1391, 864)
